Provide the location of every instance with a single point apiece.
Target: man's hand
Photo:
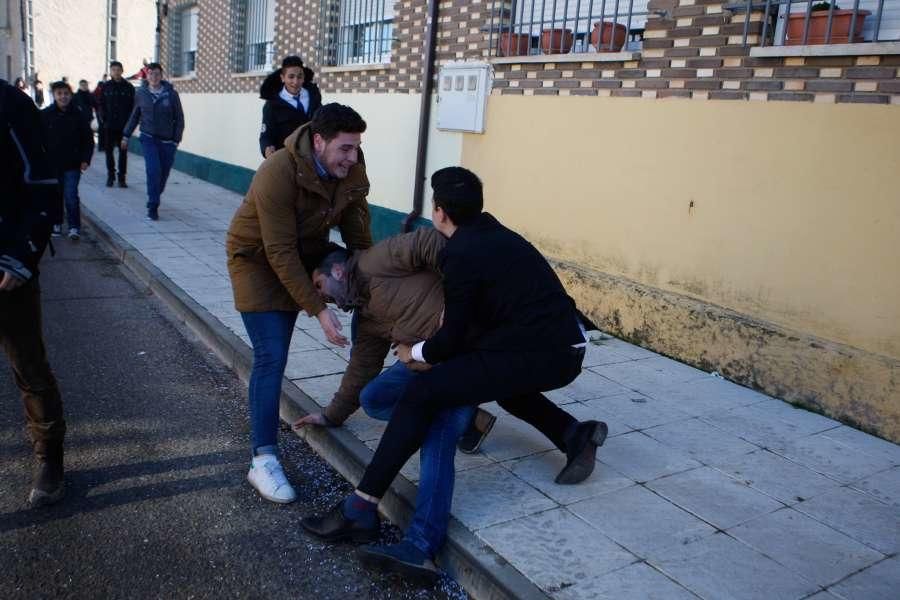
(403, 352)
(124, 144)
(332, 327)
(9, 282)
(417, 367)
(269, 151)
(84, 167)
(311, 419)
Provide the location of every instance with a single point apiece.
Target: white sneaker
(74, 235)
(268, 478)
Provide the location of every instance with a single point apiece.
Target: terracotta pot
(818, 26)
(557, 41)
(602, 34)
(514, 44)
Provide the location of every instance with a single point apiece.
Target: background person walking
(292, 99)
(157, 108)
(114, 108)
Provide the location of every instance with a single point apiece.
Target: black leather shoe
(581, 451)
(110, 181)
(122, 183)
(333, 526)
(472, 438)
(402, 559)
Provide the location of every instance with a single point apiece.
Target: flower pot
(557, 41)
(514, 44)
(606, 31)
(818, 27)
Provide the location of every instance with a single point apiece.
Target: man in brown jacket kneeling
(396, 290)
(277, 236)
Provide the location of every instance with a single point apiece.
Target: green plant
(823, 6)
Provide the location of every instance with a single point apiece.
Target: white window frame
(189, 32)
(4, 14)
(365, 32)
(257, 36)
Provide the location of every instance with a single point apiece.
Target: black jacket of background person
(68, 137)
(280, 119)
(87, 102)
(500, 293)
(28, 188)
(116, 103)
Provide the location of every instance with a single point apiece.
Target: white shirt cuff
(417, 352)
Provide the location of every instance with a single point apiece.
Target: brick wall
(695, 51)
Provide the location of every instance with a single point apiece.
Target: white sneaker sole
(269, 497)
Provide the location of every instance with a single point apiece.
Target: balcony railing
(814, 22)
(525, 27)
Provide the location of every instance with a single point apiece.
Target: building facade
(709, 180)
(51, 39)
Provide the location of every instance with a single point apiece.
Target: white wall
(225, 127)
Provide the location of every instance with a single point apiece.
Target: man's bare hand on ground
(9, 282)
(311, 419)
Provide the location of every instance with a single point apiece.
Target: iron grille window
(4, 14)
(357, 31)
(183, 29)
(113, 29)
(524, 27)
(253, 35)
(814, 22)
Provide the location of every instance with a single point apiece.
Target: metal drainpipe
(424, 117)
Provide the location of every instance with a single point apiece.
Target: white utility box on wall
(463, 89)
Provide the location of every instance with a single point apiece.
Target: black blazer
(67, 137)
(500, 293)
(280, 119)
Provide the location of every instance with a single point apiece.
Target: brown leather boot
(48, 485)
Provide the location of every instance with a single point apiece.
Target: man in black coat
(85, 100)
(510, 331)
(70, 143)
(292, 100)
(28, 192)
(114, 110)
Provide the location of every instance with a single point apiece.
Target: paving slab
(720, 567)
(707, 395)
(868, 444)
(776, 476)
(831, 458)
(640, 457)
(806, 546)
(650, 374)
(639, 411)
(490, 495)
(700, 440)
(639, 580)
(878, 582)
(885, 486)
(769, 424)
(540, 471)
(513, 438)
(857, 515)
(714, 497)
(556, 549)
(641, 521)
(587, 386)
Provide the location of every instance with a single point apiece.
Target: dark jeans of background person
(22, 339)
(270, 334)
(468, 380)
(69, 181)
(112, 139)
(159, 156)
(428, 529)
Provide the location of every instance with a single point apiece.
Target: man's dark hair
(335, 257)
(291, 61)
(80, 81)
(458, 192)
(116, 63)
(154, 66)
(60, 85)
(332, 119)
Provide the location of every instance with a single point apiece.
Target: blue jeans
(158, 158)
(436, 463)
(270, 333)
(70, 180)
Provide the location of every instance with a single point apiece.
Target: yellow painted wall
(796, 207)
(225, 127)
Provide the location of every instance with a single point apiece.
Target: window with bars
(358, 31)
(183, 29)
(113, 29)
(253, 35)
(4, 14)
(524, 27)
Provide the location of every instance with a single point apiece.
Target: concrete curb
(483, 573)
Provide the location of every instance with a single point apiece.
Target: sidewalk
(703, 489)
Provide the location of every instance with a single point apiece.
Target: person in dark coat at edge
(291, 101)
(85, 99)
(29, 191)
(70, 144)
(510, 332)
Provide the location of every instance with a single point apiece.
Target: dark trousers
(516, 377)
(22, 340)
(159, 156)
(112, 139)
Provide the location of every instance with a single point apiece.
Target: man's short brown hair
(333, 119)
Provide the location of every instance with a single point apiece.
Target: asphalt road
(157, 503)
